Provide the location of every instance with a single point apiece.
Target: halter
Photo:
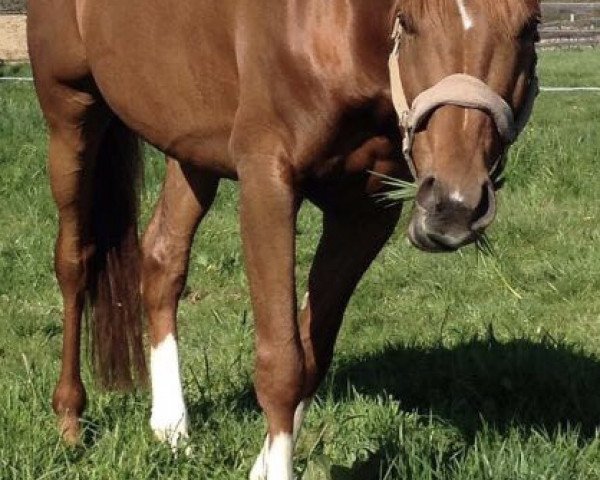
(461, 90)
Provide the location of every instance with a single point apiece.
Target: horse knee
(163, 274)
(71, 272)
(279, 383)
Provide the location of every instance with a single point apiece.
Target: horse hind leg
(93, 166)
(186, 198)
(72, 154)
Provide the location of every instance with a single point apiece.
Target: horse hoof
(68, 426)
(174, 433)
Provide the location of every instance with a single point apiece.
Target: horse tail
(113, 280)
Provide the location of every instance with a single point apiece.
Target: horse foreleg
(186, 198)
(349, 243)
(268, 217)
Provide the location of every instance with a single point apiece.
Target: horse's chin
(431, 242)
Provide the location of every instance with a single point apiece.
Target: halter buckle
(396, 36)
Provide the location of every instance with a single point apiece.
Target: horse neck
(347, 42)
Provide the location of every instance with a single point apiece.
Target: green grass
(440, 372)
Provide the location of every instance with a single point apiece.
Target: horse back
(189, 76)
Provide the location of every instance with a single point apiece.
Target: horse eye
(403, 21)
(407, 24)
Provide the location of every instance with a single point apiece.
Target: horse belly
(170, 79)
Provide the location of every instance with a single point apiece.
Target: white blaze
(464, 14)
(169, 416)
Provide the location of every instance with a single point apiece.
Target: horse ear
(536, 7)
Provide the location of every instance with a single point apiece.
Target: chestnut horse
(295, 99)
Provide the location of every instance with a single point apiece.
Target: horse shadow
(547, 385)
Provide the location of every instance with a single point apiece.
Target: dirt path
(13, 43)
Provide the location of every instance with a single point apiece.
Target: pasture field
(441, 372)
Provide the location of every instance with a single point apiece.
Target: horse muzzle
(444, 220)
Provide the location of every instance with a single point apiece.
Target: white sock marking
(169, 416)
(280, 458)
(259, 470)
(276, 462)
(299, 417)
(464, 14)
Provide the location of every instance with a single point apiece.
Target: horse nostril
(486, 210)
(427, 196)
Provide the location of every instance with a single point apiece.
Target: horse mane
(508, 16)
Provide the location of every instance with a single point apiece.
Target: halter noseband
(460, 90)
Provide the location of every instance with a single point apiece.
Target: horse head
(464, 82)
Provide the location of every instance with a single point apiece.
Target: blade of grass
(486, 250)
(400, 190)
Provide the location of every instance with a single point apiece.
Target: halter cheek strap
(461, 90)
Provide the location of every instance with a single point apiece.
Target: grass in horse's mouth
(489, 258)
(484, 245)
(403, 191)
(400, 190)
